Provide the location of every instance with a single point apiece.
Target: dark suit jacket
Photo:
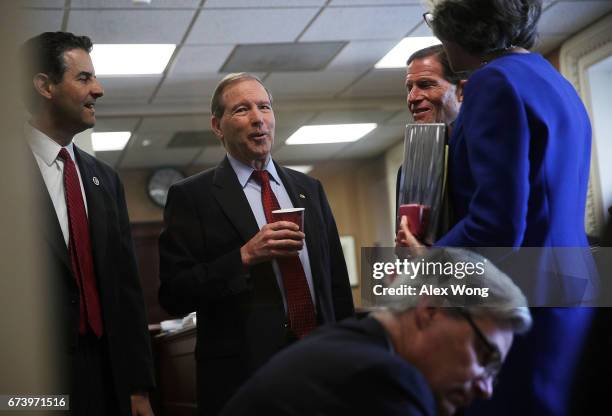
(241, 318)
(343, 369)
(123, 311)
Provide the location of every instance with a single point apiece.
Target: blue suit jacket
(344, 369)
(518, 169)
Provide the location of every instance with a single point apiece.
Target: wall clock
(160, 182)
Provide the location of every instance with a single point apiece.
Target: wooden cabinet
(176, 373)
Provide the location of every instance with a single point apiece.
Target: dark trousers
(93, 392)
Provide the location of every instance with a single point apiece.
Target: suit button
(74, 301)
(286, 325)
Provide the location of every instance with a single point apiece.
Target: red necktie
(299, 303)
(79, 245)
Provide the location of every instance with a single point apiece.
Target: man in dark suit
(434, 95)
(254, 283)
(425, 355)
(96, 288)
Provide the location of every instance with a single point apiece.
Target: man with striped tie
(257, 284)
(100, 322)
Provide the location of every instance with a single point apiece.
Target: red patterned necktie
(79, 245)
(301, 312)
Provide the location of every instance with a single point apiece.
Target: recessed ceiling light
(113, 140)
(397, 57)
(300, 168)
(131, 59)
(330, 133)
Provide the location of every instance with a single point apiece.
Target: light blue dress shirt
(252, 191)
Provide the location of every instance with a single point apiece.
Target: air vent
(278, 57)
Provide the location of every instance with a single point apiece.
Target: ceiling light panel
(330, 133)
(113, 140)
(300, 168)
(397, 57)
(131, 59)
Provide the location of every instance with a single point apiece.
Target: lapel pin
(302, 196)
(96, 181)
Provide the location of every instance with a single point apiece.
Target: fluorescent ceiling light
(300, 168)
(397, 57)
(131, 59)
(114, 140)
(330, 133)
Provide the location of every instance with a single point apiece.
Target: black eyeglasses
(428, 17)
(492, 364)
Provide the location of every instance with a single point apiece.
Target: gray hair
(505, 303)
(217, 106)
(483, 26)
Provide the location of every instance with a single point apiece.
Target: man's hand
(278, 239)
(141, 405)
(404, 238)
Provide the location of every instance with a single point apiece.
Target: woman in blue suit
(519, 164)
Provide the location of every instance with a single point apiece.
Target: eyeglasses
(428, 18)
(492, 364)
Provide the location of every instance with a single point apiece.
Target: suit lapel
(96, 204)
(50, 226)
(229, 194)
(301, 199)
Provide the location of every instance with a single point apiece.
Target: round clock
(160, 182)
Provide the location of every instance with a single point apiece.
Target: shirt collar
(43, 146)
(244, 172)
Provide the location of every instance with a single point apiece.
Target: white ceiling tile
(373, 144)
(351, 116)
(156, 140)
(135, 88)
(116, 124)
(59, 4)
(146, 157)
(421, 30)
(374, 2)
(306, 153)
(175, 123)
(191, 88)
(131, 26)
(547, 43)
(401, 118)
(155, 4)
(567, 17)
(360, 55)
(199, 88)
(308, 84)
(111, 157)
(37, 21)
(262, 3)
(211, 156)
(363, 23)
(200, 59)
(244, 26)
(379, 83)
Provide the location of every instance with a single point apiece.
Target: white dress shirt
(51, 167)
(252, 191)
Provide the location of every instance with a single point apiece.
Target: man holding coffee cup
(258, 283)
